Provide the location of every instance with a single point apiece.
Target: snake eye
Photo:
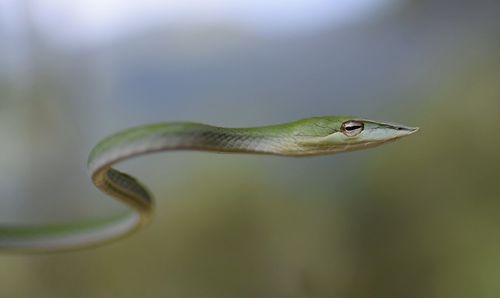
(352, 128)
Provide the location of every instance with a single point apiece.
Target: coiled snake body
(307, 137)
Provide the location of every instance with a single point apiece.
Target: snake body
(306, 137)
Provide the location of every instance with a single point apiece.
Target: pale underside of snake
(306, 137)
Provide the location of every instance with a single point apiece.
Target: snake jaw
(379, 131)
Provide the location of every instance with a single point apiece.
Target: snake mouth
(393, 130)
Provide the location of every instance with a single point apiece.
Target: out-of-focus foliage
(417, 218)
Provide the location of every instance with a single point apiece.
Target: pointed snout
(404, 130)
(401, 131)
(386, 131)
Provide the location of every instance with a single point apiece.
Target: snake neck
(261, 140)
(191, 136)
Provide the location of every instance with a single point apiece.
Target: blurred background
(416, 218)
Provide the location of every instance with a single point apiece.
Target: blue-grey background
(416, 218)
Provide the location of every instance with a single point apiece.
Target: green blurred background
(416, 218)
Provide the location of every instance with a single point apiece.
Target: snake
(306, 137)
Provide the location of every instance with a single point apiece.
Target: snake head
(348, 133)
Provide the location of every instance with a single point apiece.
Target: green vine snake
(306, 137)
